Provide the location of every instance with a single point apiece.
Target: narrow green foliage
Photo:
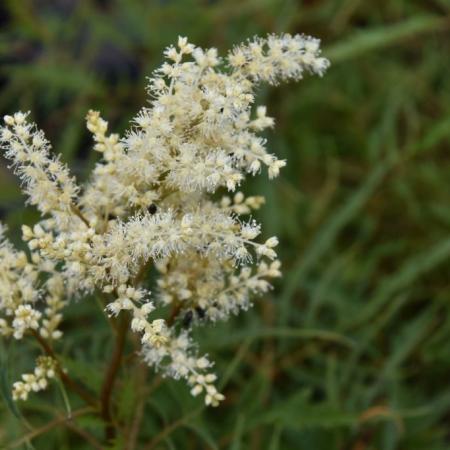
(351, 349)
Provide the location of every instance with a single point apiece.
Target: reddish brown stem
(173, 314)
(78, 213)
(68, 382)
(110, 378)
(60, 420)
(135, 425)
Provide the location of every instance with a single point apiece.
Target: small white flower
(202, 363)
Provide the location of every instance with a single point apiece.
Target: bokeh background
(351, 351)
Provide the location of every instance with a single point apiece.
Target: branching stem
(110, 377)
(79, 214)
(66, 379)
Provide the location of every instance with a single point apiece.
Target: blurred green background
(351, 350)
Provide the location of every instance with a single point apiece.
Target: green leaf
(5, 385)
(285, 333)
(413, 268)
(203, 433)
(327, 234)
(368, 40)
(238, 433)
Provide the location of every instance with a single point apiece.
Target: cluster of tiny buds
(16, 120)
(153, 332)
(204, 383)
(26, 318)
(33, 382)
(108, 145)
(240, 204)
(184, 49)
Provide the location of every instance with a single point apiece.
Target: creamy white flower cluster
(37, 381)
(21, 292)
(279, 58)
(45, 179)
(149, 201)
